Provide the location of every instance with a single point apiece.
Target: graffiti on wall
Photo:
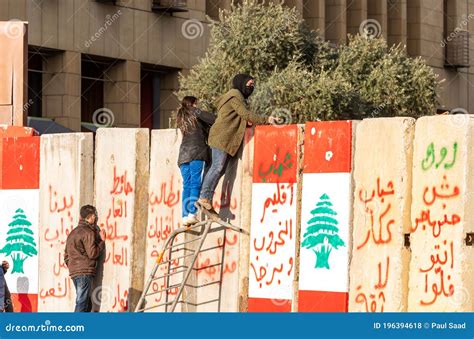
(378, 204)
(59, 222)
(437, 218)
(273, 221)
(164, 217)
(117, 222)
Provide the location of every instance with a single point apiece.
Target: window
(35, 84)
(92, 87)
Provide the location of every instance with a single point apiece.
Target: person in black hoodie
(194, 125)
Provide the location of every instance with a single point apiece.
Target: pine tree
(20, 241)
(322, 232)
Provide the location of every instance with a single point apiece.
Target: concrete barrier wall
(121, 195)
(66, 184)
(19, 210)
(164, 211)
(218, 266)
(382, 197)
(245, 218)
(272, 269)
(273, 231)
(205, 292)
(326, 217)
(441, 268)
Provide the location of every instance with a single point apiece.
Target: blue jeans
(192, 180)
(83, 285)
(216, 171)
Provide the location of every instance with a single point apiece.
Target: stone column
(122, 93)
(314, 15)
(356, 16)
(377, 11)
(336, 21)
(397, 22)
(62, 89)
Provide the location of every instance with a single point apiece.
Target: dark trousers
(83, 285)
(217, 170)
(8, 300)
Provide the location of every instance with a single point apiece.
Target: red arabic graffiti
(117, 226)
(272, 260)
(437, 216)
(376, 297)
(377, 204)
(61, 221)
(443, 195)
(278, 198)
(378, 209)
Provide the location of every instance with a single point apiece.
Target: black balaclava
(239, 82)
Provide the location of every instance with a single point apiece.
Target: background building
(124, 56)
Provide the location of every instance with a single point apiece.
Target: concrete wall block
(441, 268)
(327, 188)
(121, 195)
(274, 219)
(66, 184)
(164, 211)
(382, 198)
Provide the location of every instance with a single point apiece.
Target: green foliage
(302, 77)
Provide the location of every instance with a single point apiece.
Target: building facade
(117, 62)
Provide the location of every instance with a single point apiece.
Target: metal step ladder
(165, 260)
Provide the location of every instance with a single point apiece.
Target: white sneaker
(191, 219)
(185, 221)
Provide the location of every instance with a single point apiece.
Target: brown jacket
(83, 248)
(228, 131)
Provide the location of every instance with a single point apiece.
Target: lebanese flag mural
(19, 211)
(325, 217)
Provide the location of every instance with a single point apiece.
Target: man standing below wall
(84, 246)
